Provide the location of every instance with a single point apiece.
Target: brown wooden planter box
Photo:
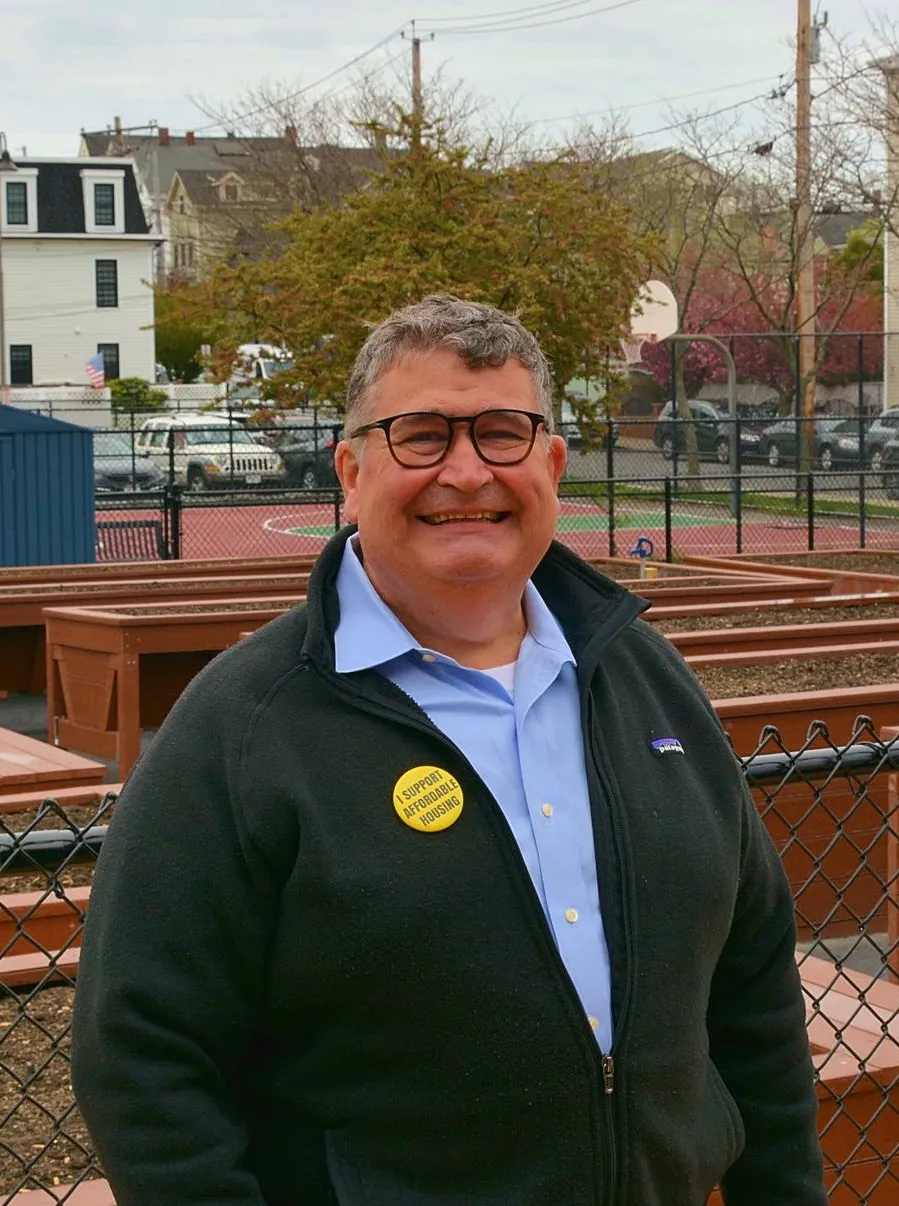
(118, 669)
(745, 594)
(660, 610)
(775, 642)
(22, 637)
(117, 571)
(842, 581)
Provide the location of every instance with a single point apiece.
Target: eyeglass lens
(500, 436)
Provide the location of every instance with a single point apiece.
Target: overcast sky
(65, 66)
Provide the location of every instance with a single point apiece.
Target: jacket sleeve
(758, 1039)
(181, 911)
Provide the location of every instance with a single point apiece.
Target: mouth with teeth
(464, 517)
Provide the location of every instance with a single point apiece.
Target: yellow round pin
(427, 798)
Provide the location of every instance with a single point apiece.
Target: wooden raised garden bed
(846, 570)
(22, 636)
(118, 669)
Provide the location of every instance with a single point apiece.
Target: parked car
(713, 432)
(307, 450)
(878, 432)
(209, 452)
(835, 442)
(890, 467)
(118, 468)
(600, 427)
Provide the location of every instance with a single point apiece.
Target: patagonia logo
(666, 745)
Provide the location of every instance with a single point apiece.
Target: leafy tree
(133, 393)
(178, 343)
(537, 238)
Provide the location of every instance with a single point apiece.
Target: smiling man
(445, 888)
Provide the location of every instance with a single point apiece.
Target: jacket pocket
(724, 1104)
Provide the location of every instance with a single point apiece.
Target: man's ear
(346, 465)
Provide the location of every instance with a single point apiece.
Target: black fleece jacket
(288, 996)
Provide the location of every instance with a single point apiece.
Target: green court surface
(593, 521)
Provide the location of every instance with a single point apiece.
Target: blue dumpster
(46, 490)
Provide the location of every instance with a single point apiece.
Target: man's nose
(462, 467)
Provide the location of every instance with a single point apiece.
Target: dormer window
(104, 200)
(232, 193)
(18, 201)
(104, 205)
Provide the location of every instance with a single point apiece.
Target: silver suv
(209, 452)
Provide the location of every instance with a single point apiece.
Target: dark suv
(307, 451)
(712, 428)
(882, 428)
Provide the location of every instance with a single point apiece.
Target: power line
(507, 28)
(533, 11)
(661, 101)
(270, 105)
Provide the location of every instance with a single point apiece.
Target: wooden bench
(28, 764)
(131, 540)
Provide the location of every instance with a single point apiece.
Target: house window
(110, 354)
(231, 193)
(21, 371)
(107, 284)
(104, 205)
(16, 203)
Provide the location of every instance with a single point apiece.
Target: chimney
(290, 135)
(190, 138)
(163, 136)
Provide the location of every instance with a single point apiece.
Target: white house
(77, 265)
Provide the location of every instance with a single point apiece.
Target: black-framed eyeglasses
(422, 438)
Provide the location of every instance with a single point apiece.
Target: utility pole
(418, 111)
(805, 234)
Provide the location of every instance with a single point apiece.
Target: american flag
(96, 371)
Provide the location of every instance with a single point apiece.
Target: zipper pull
(608, 1074)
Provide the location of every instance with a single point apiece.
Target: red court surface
(288, 529)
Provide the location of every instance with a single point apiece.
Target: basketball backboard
(654, 313)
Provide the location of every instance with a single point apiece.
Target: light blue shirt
(528, 748)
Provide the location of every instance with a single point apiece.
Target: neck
(472, 626)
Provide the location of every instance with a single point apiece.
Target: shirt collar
(368, 634)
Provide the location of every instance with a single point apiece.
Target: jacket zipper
(607, 1062)
(606, 1059)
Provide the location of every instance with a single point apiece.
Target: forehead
(439, 380)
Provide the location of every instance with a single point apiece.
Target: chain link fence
(224, 488)
(832, 811)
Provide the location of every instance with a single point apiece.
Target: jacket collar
(591, 608)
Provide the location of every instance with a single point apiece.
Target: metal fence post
(810, 509)
(175, 510)
(610, 491)
(668, 549)
(862, 457)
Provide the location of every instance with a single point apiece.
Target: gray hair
(481, 335)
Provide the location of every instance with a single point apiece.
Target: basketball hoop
(632, 350)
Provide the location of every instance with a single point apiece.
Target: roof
(60, 194)
(201, 185)
(158, 159)
(834, 229)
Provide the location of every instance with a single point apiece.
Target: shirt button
(546, 809)
(571, 916)
(594, 1024)
(428, 657)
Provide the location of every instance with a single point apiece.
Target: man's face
(498, 519)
